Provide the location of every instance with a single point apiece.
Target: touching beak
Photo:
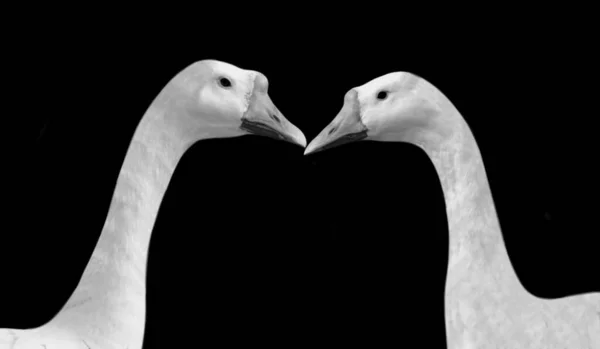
(264, 119)
(346, 127)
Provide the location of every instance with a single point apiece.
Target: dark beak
(288, 133)
(345, 128)
(263, 119)
(349, 138)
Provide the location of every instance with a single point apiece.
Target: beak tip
(309, 149)
(298, 140)
(297, 137)
(302, 141)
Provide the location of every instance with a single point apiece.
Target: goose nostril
(332, 130)
(274, 117)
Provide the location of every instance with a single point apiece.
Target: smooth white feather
(484, 299)
(107, 310)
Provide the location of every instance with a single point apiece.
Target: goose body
(107, 310)
(485, 303)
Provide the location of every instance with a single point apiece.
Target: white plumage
(485, 304)
(208, 99)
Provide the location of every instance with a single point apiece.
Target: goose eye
(382, 95)
(224, 82)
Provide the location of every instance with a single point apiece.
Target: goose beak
(346, 127)
(263, 119)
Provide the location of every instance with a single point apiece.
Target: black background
(257, 243)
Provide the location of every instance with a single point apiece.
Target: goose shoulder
(43, 337)
(8, 338)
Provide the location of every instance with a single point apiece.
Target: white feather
(107, 310)
(484, 298)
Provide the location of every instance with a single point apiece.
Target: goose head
(214, 99)
(394, 107)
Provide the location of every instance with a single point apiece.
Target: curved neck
(475, 236)
(109, 300)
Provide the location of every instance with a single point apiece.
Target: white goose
(208, 99)
(485, 304)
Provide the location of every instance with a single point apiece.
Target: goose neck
(475, 236)
(109, 300)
